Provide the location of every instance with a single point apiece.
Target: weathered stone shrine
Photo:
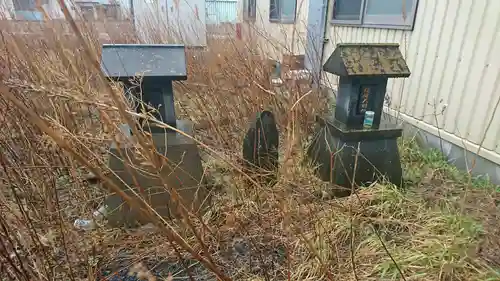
(260, 147)
(158, 66)
(363, 71)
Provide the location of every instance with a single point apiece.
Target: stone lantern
(356, 129)
(158, 66)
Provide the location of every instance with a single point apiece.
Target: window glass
(288, 9)
(24, 5)
(347, 9)
(273, 9)
(250, 8)
(253, 8)
(389, 7)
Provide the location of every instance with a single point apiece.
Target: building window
(28, 9)
(28, 5)
(112, 11)
(250, 9)
(395, 14)
(282, 11)
(24, 5)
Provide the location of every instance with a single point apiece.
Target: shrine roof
(370, 59)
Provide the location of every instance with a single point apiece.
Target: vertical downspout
(323, 44)
(132, 14)
(158, 13)
(325, 40)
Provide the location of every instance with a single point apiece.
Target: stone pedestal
(183, 171)
(260, 148)
(334, 148)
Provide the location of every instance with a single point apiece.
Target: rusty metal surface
(367, 59)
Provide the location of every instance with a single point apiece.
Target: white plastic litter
(276, 81)
(84, 224)
(101, 213)
(301, 74)
(98, 216)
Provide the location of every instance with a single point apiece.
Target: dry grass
(58, 116)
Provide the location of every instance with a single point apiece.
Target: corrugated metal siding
(454, 55)
(180, 21)
(6, 9)
(221, 11)
(147, 20)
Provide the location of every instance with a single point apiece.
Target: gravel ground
(161, 271)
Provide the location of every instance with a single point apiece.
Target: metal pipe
(132, 14)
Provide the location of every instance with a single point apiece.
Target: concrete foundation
(456, 155)
(182, 171)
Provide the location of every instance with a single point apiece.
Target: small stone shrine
(158, 66)
(260, 147)
(363, 70)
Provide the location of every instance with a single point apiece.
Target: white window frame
(283, 18)
(249, 10)
(379, 21)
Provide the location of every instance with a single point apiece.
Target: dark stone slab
(156, 66)
(183, 171)
(157, 95)
(334, 151)
(147, 60)
(356, 96)
(260, 146)
(385, 130)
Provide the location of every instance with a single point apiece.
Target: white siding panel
(454, 46)
(428, 103)
(454, 56)
(440, 83)
(492, 135)
(419, 70)
(496, 117)
(409, 99)
(6, 8)
(458, 107)
(485, 70)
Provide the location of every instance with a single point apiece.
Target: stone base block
(333, 152)
(182, 171)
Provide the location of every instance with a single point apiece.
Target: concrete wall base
(456, 155)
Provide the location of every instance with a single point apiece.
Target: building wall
(275, 39)
(160, 21)
(6, 9)
(52, 8)
(453, 54)
(221, 11)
